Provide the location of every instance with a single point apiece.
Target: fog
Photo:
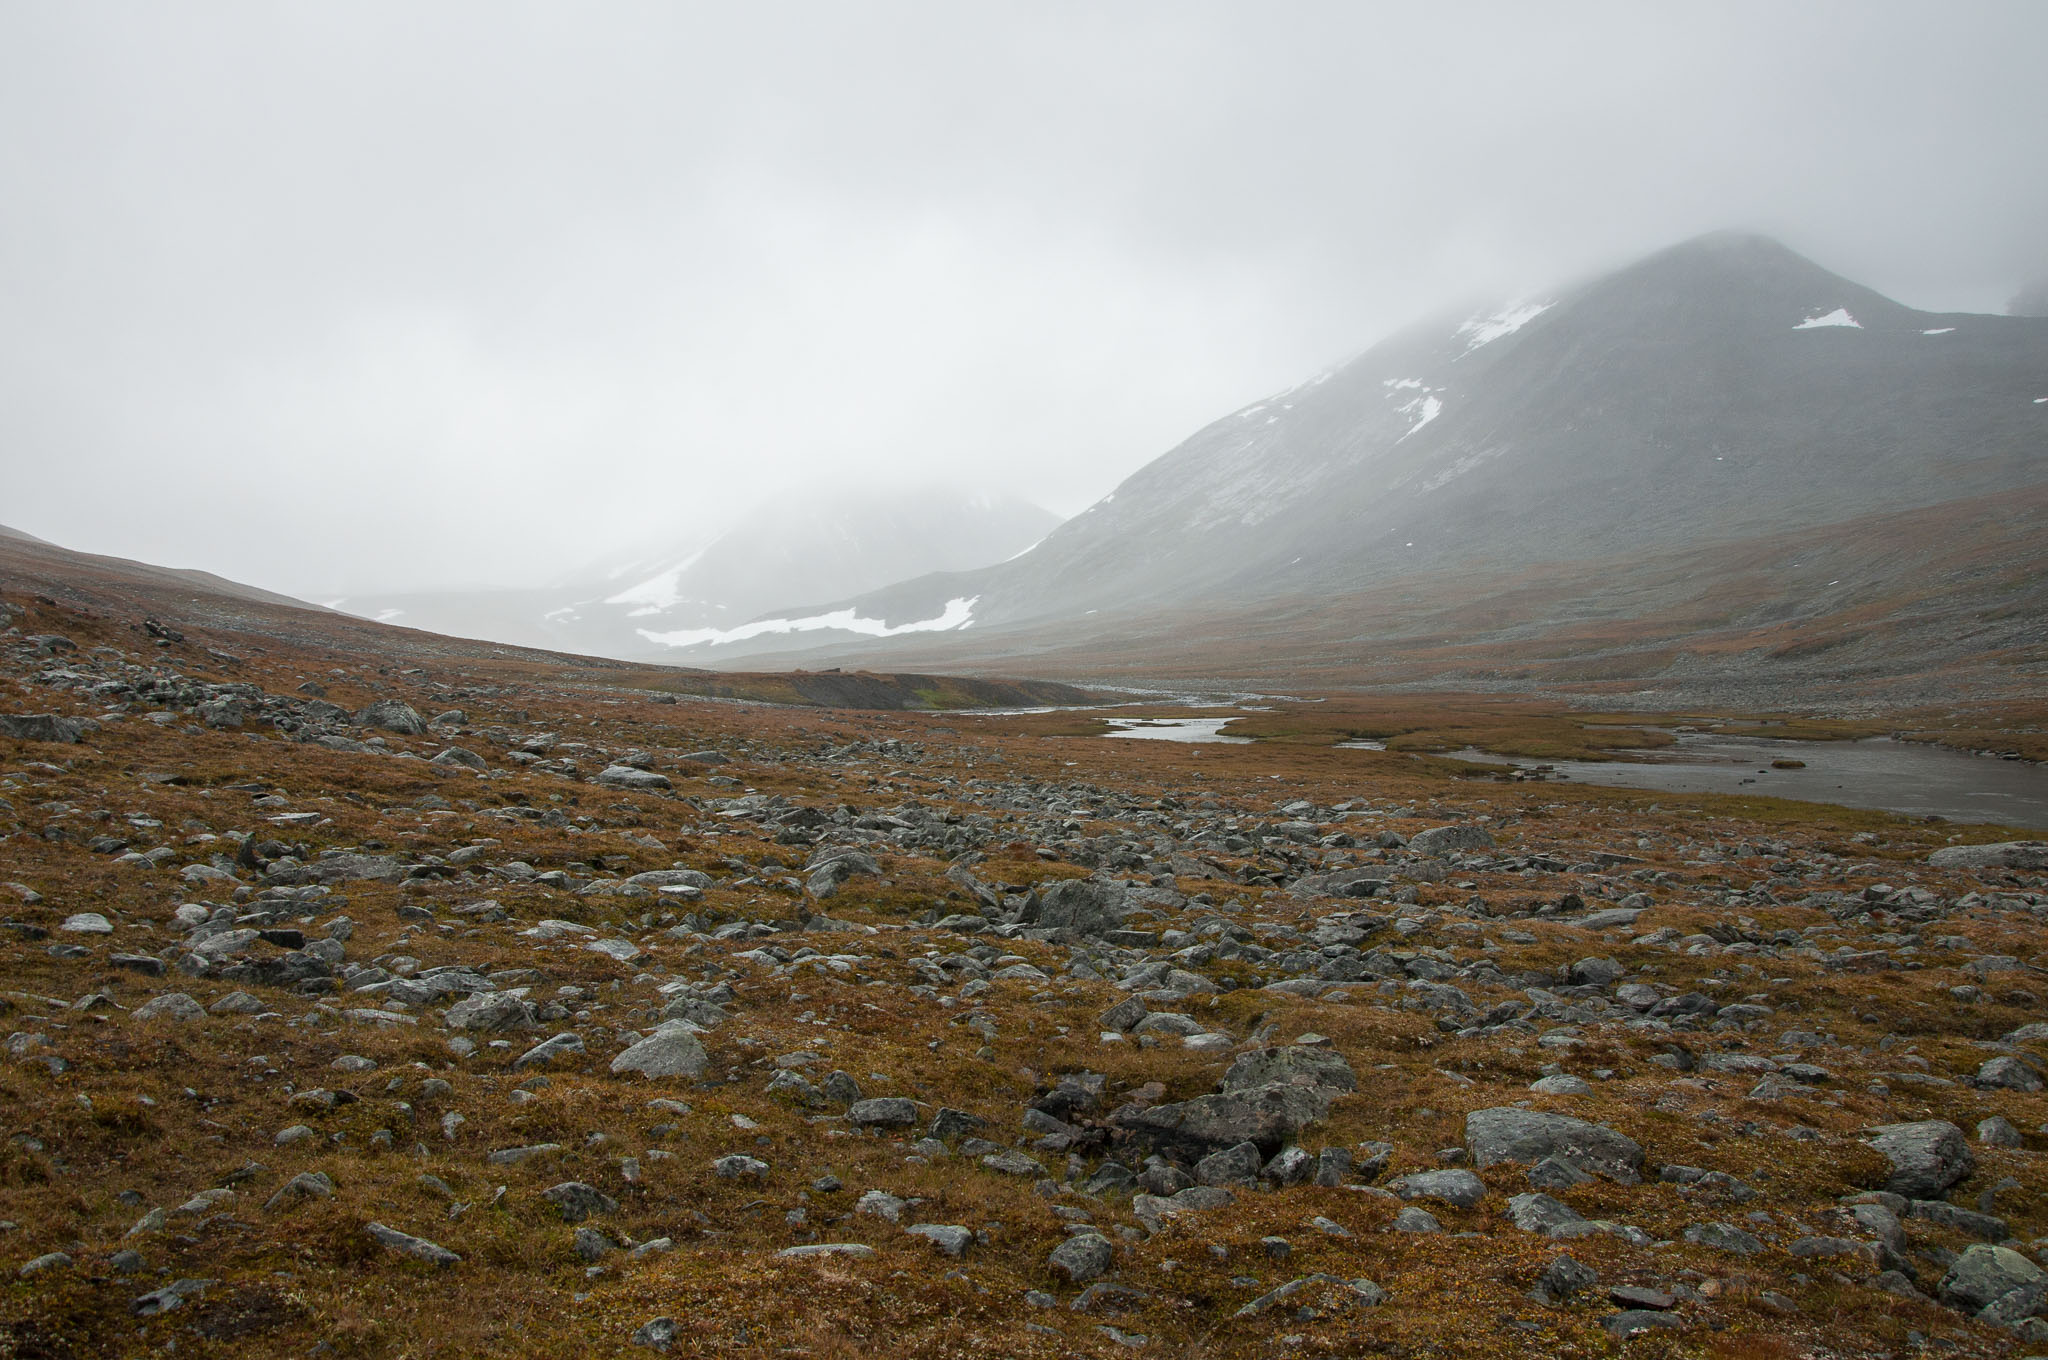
(384, 296)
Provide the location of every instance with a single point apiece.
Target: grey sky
(359, 296)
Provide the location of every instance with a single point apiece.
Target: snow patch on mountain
(1484, 330)
(658, 592)
(1838, 317)
(959, 612)
(1421, 408)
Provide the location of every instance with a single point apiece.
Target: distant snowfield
(1838, 317)
(658, 592)
(1484, 330)
(959, 612)
(1940, 330)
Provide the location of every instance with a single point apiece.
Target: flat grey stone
(419, 1248)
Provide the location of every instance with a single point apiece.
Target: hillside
(717, 576)
(233, 624)
(370, 994)
(1706, 404)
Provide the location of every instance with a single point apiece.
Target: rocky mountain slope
(357, 1001)
(718, 577)
(1724, 394)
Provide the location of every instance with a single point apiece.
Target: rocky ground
(354, 1008)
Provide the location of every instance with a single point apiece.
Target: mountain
(650, 603)
(198, 620)
(1720, 395)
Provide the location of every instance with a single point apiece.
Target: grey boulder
(1446, 840)
(578, 1200)
(405, 1244)
(392, 715)
(170, 1006)
(1078, 906)
(1507, 1134)
(1926, 1157)
(889, 1112)
(2003, 855)
(1085, 1257)
(1456, 1187)
(628, 778)
(671, 1051)
(1985, 1274)
(491, 1012)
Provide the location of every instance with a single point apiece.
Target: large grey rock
(1597, 972)
(1291, 1065)
(1446, 840)
(1342, 1293)
(1124, 1014)
(1564, 1277)
(1414, 1220)
(1985, 1273)
(1926, 1157)
(1724, 1237)
(951, 1239)
(1455, 1187)
(1079, 906)
(392, 715)
(631, 779)
(1635, 1321)
(1537, 1212)
(1507, 1134)
(305, 1185)
(170, 1006)
(656, 1333)
(830, 870)
(739, 1166)
(347, 868)
(671, 1051)
(2002, 855)
(1085, 1257)
(856, 1251)
(889, 1112)
(172, 1295)
(658, 879)
(1268, 1116)
(2009, 1074)
(419, 1248)
(547, 1051)
(578, 1200)
(41, 727)
(491, 1013)
(1237, 1165)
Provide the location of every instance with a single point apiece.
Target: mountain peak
(1736, 277)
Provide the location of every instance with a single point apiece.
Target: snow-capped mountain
(1723, 390)
(647, 603)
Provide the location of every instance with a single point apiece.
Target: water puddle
(1174, 729)
(1890, 776)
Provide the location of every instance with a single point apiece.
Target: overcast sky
(360, 296)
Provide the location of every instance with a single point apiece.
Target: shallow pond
(1173, 729)
(1892, 776)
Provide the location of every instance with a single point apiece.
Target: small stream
(1891, 776)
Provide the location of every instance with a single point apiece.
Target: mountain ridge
(1721, 390)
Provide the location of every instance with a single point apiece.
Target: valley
(362, 986)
